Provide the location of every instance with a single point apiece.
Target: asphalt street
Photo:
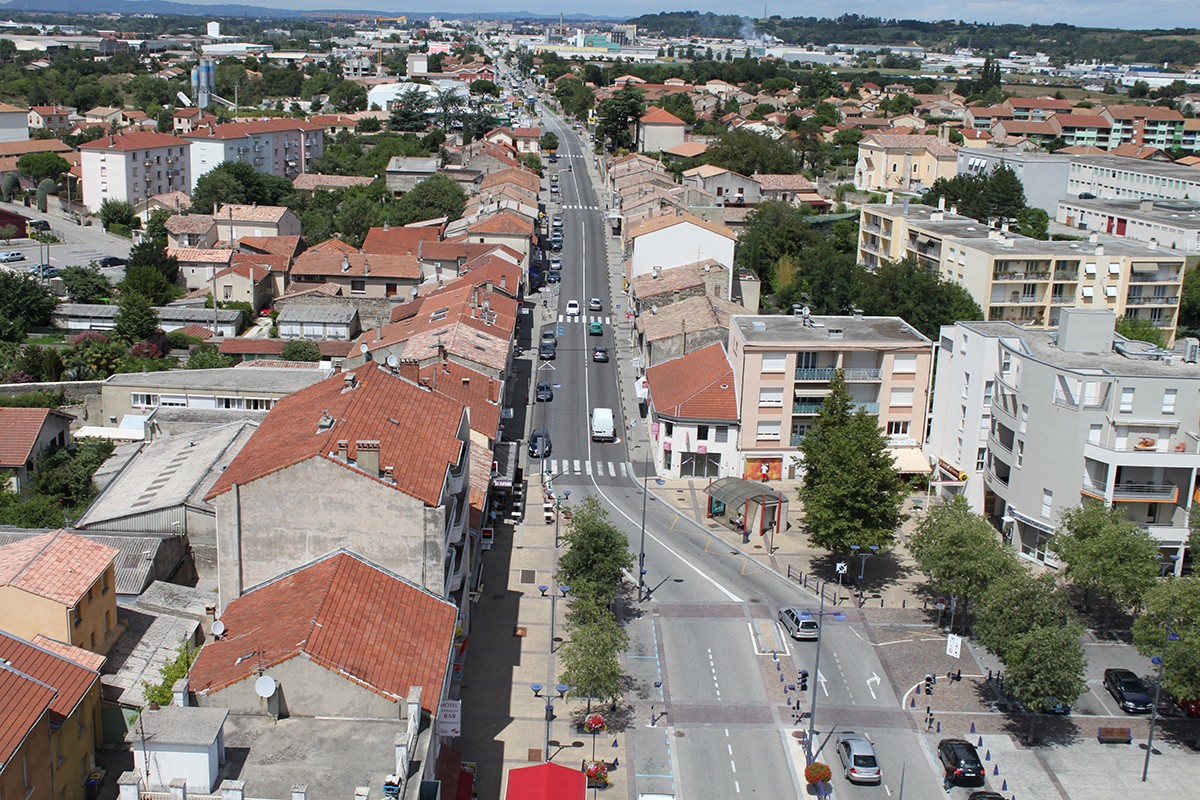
(710, 665)
(79, 245)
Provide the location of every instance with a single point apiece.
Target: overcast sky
(1106, 13)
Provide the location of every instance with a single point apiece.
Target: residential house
(399, 450)
(73, 674)
(670, 240)
(903, 162)
(281, 147)
(1027, 423)
(795, 190)
(659, 130)
(403, 173)
(235, 220)
(682, 327)
(25, 436)
(694, 415)
(103, 115)
(337, 321)
(504, 228)
(782, 368)
(132, 167)
(248, 279)
(367, 275)
(62, 586)
(25, 757)
(191, 230)
(198, 265)
(1081, 129)
(521, 140)
(14, 123)
(313, 181)
(186, 120)
(728, 187)
(686, 150)
(50, 118)
(1156, 126)
(665, 286)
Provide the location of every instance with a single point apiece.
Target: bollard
(980, 742)
(972, 727)
(987, 756)
(881, 602)
(1004, 788)
(904, 603)
(939, 726)
(616, 763)
(778, 666)
(995, 769)
(913, 703)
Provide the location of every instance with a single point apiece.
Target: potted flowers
(816, 772)
(594, 723)
(597, 774)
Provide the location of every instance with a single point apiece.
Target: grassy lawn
(46, 338)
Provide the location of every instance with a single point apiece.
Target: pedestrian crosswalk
(599, 469)
(577, 207)
(602, 320)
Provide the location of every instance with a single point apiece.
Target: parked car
(595, 329)
(961, 762)
(798, 623)
(553, 276)
(1189, 708)
(43, 271)
(858, 758)
(549, 336)
(545, 392)
(539, 443)
(556, 221)
(110, 261)
(547, 352)
(554, 188)
(11, 255)
(1128, 690)
(572, 308)
(986, 796)
(38, 225)
(600, 354)
(555, 263)
(595, 305)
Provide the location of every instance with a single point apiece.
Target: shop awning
(910, 460)
(546, 782)
(736, 491)
(505, 455)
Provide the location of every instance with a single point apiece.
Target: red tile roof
(333, 245)
(276, 245)
(25, 701)
(356, 265)
(658, 116)
(504, 223)
(515, 175)
(70, 679)
(86, 658)
(238, 130)
(137, 140)
(417, 433)
(696, 386)
(399, 240)
(369, 626)
(57, 565)
(1143, 112)
(19, 431)
(196, 331)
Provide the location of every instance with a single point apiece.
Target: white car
(11, 255)
(572, 308)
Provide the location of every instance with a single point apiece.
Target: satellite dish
(218, 628)
(362, 348)
(264, 687)
(393, 362)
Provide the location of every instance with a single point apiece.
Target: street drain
(680, 734)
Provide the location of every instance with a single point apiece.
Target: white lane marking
(622, 466)
(821, 680)
(612, 469)
(588, 467)
(576, 470)
(560, 318)
(873, 679)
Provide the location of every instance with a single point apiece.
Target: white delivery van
(603, 429)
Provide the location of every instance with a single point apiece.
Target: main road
(713, 716)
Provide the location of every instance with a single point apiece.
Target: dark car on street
(600, 354)
(1128, 690)
(545, 392)
(539, 444)
(110, 261)
(547, 352)
(961, 762)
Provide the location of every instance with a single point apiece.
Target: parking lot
(77, 245)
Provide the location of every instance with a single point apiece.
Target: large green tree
(40, 166)
(851, 492)
(960, 551)
(1170, 624)
(149, 282)
(136, 319)
(916, 294)
(85, 284)
(301, 350)
(1106, 553)
(617, 117)
(1189, 300)
(597, 555)
(238, 182)
(436, 196)
(746, 152)
(1014, 603)
(152, 252)
(410, 111)
(1046, 666)
(24, 303)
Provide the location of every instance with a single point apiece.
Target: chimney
(1099, 249)
(1146, 205)
(1093, 238)
(409, 369)
(1153, 243)
(891, 198)
(942, 203)
(179, 693)
(349, 381)
(345, 262)
(343, 449)
(366, 267)
(367, 456)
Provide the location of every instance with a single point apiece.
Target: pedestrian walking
(765, 471)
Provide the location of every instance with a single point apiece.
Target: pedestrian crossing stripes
(599, 469)
(575, 207)
(601, 320)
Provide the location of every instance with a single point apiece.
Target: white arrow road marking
(821, 680)
(873, 679)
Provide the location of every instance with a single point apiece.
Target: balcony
(1132, 492)
(456, 524)
(825, 374)
(1154, 277)
(815, 408)
(796, 439)
(1153, 300)
(1006, 275)
(457, 480)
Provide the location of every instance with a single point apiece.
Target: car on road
(554, 188)
(110, 261)
(1128, 690)
(545, 392)
(858, 758)
(547, 352)
(961, 761)
(539, 443)
(549, 336)
(553, 159)
(11, 255)
(38, 225)
(556, 221)
(600, 354)
(555, 263)
(572, 308)
(1189, 708)
(798, 623)
(43, 271)
(556, 243)
(595, 305)
(595, 329)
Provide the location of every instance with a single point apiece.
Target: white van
(603, 429)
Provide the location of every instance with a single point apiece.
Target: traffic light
(804, 680)
(929, 679)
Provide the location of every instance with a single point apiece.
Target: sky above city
(1104, 13)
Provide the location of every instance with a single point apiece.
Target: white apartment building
(1174, 224)
(1018, 279)
(133, 167)
(280, 147)
(1119, 177)
(1027, 422)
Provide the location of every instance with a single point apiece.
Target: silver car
(858, 758)
(798, 623)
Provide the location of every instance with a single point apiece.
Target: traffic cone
(980, 741)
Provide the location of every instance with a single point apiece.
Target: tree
(916, 294)
(549, 142)
(24, 304)
(206, 356)
(617, 116)
(959, 550)
(348, 97)
(116, 212)
(591, 659)
(149, 282)
(368, 125)
(436, 196)
(484, 87)
(85, 284)
(1142, 330)
(40, 166)
(153, 253)
(1189, 300)
(136, 319)
(1045, 667)
(301, 350)
(1034, 223)
(851, 492)
(1106, 553)
(238, 182)
(1015, 603)
(448, 103)
(598, 552)
(410, 111)
(1174, 605)
(156, 225)
(746, 152)
(679, 104)
(1004, 194)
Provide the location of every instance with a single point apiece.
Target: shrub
(817, 772)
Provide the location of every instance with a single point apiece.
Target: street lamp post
(1168, 636)
(862, 567)
(558, 501)
(642, 544)
(812, 711)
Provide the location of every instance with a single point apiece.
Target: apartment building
(782, 366)
(1174, 224)
(1027, 422)
(1028, 281)
(280, 147)
(133, 167)
(903, 162)
(1043, 176)
(1118, 177)
(1155, 126)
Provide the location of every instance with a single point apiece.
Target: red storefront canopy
(546, 782)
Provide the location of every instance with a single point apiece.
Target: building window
(228, 291)
(1006, 364)
(1094, 431)
(1168, 406)
(138, 399)
(721, 434)
(773, 362)
(987, 393)
(768, 429)
(668, 428)
(905, 364)
(770, 396)
(898, 427)
(1127, 399)
(1020, 452)
(901, 397)
(702, 433)
(358, 286)
(1024, 418)
(1047, 503)
(806, 359)
(980, 459)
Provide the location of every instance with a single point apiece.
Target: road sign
(941, 604)
(954, 645)
(841, 568)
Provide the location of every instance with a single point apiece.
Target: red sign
(702, 449)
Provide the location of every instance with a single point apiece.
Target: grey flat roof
(176, 725)
(1041, 344)
(168, 472)
(1163, 169)
(1014, 155)
(273, 380)
(165, 313)
(783, 329)
(1173, 213)
(318, 313)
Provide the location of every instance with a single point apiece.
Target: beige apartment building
(1028, 281)
(782, 366)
